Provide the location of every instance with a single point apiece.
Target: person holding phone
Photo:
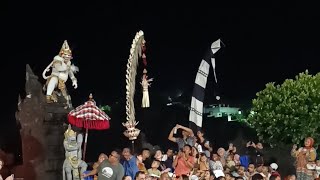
(187, 136)
(204, 143)
(184, 162)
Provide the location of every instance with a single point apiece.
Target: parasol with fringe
(89, 116)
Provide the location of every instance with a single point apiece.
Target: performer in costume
(73, 165)
(305, 160)
(61, 70)
(145, 83)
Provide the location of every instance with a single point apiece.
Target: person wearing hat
(274, 168)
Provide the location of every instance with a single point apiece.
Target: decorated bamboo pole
(138, 44)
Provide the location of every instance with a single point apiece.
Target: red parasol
(89, 116)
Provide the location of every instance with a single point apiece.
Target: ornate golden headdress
(65, 49)
(69, 133)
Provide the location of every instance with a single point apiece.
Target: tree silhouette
(289, 112)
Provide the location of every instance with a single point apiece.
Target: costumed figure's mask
(65, 52)
(70, 136)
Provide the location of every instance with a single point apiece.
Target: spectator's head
(155, 164)
(126, 178)
(200, 133)
(165, 176)
(203, 157)
(308, 142)
(229, 157)
(274, 177)
(227, 170)
(227, 176)
(158, 155)
(259, 169)
(170, 152)
(221, 152)
(215, 157)
(102, 157)
(251, 168)
(114, 157)
(126, 153)
(185, 133)
(236, 157)
(194, 152)
(140, 175)
(265, 170)
(241, 170)
(291, 177)
(207, 174)
(145, 153)
(187, 149)
(257, 177)
(184, 177)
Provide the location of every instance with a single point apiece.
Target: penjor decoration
(62, 69)
(195, 117)
(138, 44)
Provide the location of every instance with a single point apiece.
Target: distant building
(221, 110)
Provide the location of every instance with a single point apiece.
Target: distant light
(218, 98)
(179, 93)
(169, 104)
(239, 112)
(229, 118)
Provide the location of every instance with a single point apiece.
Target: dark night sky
(264, 43)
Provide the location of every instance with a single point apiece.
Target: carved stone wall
(42, 133)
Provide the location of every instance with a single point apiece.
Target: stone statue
(73, 166)
(61, 70)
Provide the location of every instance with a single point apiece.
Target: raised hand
(11, 177)
(178, 126)
(230, 147)
(294, 147)
(75, 84)
(248, 144)
(253, 145)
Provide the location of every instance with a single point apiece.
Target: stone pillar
(42, 133)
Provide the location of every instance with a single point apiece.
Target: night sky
(264, 43)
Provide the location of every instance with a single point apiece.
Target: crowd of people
(197, 158)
